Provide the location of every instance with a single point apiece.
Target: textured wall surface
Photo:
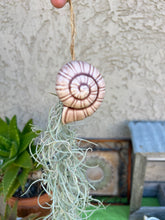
(124, 39)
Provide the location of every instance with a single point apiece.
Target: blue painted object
(147, 136)
(161, 194)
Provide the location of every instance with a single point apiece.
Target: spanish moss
(63, 177)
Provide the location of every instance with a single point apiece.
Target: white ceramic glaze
(81, 88)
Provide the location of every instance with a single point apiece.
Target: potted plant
(17, 165)
(11, 214)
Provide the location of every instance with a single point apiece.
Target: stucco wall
(124, 39)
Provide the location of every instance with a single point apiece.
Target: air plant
(63, 176)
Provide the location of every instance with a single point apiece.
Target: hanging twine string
(73, 30)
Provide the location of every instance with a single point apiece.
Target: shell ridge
(64, 74)
(71, 66)
(81, 89)
(64, 98)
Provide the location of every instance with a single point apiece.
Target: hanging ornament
(79, 85)
(81, 88)
(58, 3)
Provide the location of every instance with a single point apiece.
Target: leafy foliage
(15, 159)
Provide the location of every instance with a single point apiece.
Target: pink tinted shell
(81, 88)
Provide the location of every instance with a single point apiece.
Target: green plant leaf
(33, 148)
(8, 181)
(13, 150)
(3, 128)
(7, 163)
(23, 177)
(5, 142)
(10, 212)
(13, 130)
(13, 212)
(27, 127)
(13, 189)
(2, 218)
(31, 216)
(7, 120)
(24, 160)
(26, 140)
(3, 152)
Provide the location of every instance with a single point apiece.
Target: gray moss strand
(63, 175)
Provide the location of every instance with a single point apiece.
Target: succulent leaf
(23, 177)
(8, 180)
(3, 152)
(26, 140)
(13, 130)
(27, 127)
(10, 213)
(13, 189)
(3, 128)
(16, 163)
(13, 150)
(7, 120)
(5, 142)
(31, 216)
(24, 161)
(6, 163)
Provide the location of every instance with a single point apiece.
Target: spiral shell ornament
(81, 88)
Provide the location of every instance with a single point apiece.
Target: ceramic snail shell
(81, 88)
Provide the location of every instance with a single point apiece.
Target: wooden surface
(155, 171)
(137, 182)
